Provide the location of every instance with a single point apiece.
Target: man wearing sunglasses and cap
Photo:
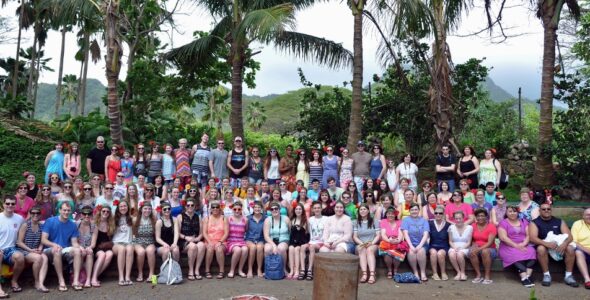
(9, 226)
(361, 167)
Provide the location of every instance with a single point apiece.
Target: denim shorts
(7, 255)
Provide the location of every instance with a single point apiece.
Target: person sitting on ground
(255, 239)
(276, 233)
(460, 241)
(416, 231)
(337, 231)
(143, 239)
(215, 232)
(29, 244)
(60, 236)
(191, 237)
(439, 241)
(236, 245)
(539, 229)
(366, 236)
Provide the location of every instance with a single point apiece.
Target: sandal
(487, 281)
(62, 288)
(435, 277)
(364, 277)
(229, 275)
(208, 275)
(389, 275)
(95, 284)
(139, 279)
(371, 277)
(444, 277)
(477, 280)
(122, 283)
(77, 287)
(220, 275)
(190, 277)
(41, 290)
(309, 275)
(301, 275)
(4, 295)
(198, 277)
(87, 286)
(242, 275)
(16, 289)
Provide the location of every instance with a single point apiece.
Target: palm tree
(549, 11)
(216, 109)
(24, 21)
(356, 107)
(255, 115)
(110, 13)
(70, 91)
(243, 22)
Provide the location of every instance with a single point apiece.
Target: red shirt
(480, 238)
(451, 208)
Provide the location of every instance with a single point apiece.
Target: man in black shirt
(445, 168)
(96, 158)
(539, 228)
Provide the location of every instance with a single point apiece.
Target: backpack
(274, 267)
(503, 176)
(170, 272)
(407, 277)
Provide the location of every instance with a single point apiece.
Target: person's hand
(561, 248)
(475, 250)
(173, 247)
(552, 245)
(56, 249)
(275, 249)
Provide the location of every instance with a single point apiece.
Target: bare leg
(150, 252)
(251, 257)
(453, 259)
(235, 258)
(140, 253)
(442, 263)
(421, 256)
(243, 261)
(259, 257)
(200, 257)
(220, 256)
(128, 262)
(433, 262)
(192, 257)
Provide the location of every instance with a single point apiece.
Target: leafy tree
(571, 146)
(216, 109)
(323, 116)
(240, 23)
(255, 115)
(70, 90)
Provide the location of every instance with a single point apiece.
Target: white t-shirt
(120, 191)
(409, 172)
(9, 230)
(273, 169)
(316, 227)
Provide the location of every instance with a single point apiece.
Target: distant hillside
(497, 94)
(46, 100)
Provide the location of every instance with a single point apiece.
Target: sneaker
(546, 280)
(527, 283)
(571, 281)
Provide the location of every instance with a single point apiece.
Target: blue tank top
(376, 168)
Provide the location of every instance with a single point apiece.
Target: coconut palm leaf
(264, 24)
(309, 47)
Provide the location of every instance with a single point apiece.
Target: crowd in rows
(213, 203)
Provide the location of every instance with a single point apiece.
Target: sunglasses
(369, 195)
(105, 211)
(88, 189)
(546, 209)
(166, 209)
(214, 206)
(220, 143)
(54, 177)
(282, 184)
(67, 186)
(119, 175)
(190, 205)
(34, 213)
(273, 151)
(86, 214)
(274, 209)
(22, 188)
(499, 198)
(149, 190)
(140, 148)
(237, 209)
(345, 197)
(9, 203)
(108, 188)
(238, 141)
(100, 142)
(192, 191)
(439, 213)
(46, 189)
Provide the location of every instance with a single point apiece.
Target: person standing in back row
(237, 162)
(96, 158)
(445, 168)
(218, 161)
(200, 162)
(361, 166)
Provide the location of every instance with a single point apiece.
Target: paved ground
(505, 286)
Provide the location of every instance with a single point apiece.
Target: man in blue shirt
(60, 236)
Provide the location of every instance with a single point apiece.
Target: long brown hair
(303, 216)
(118, 214)
(110, 220)
(137, 221)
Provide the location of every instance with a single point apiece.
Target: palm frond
(217, 8)
(262, 4)
(196, 53)
(312, 48)
(265, 24)
(454, 9)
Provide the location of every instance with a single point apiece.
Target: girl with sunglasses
(191, 237)
(302, 167)
(271, 167)
(277, 233)
(112, 164)
(55, 183)
(86, 230)
(236, 245)
(66, 196)
(29, 244)
(370, 202)
(215, 232)
(255, 239)
(46, 201)
(107, 199)
(84, 198)
(23, 202)
(101, 238)
(167, 234)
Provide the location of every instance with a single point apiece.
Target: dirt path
(502, 288)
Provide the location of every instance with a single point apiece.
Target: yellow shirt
(581, 233)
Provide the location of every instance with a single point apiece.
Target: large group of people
(212, 203)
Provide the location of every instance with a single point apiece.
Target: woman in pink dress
(236, 245)
(23, 202)
(72, 161)
(515, 248)
(112, 164)
(215, 232)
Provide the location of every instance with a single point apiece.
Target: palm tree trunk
(32, 69)
(36, 83)
(543, 175)
(83, 79)
(355, 126)
(440, 90)
(61, 70)
(113, 67)
(16, 60)
(237, 119)
(129, 85)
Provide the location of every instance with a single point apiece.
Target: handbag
(407, 277)
(170, 272)
(274, 267)
(105, 246)
(504, 177)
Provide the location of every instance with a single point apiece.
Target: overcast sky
(515, 63)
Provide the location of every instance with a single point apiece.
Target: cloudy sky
(515, 62)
